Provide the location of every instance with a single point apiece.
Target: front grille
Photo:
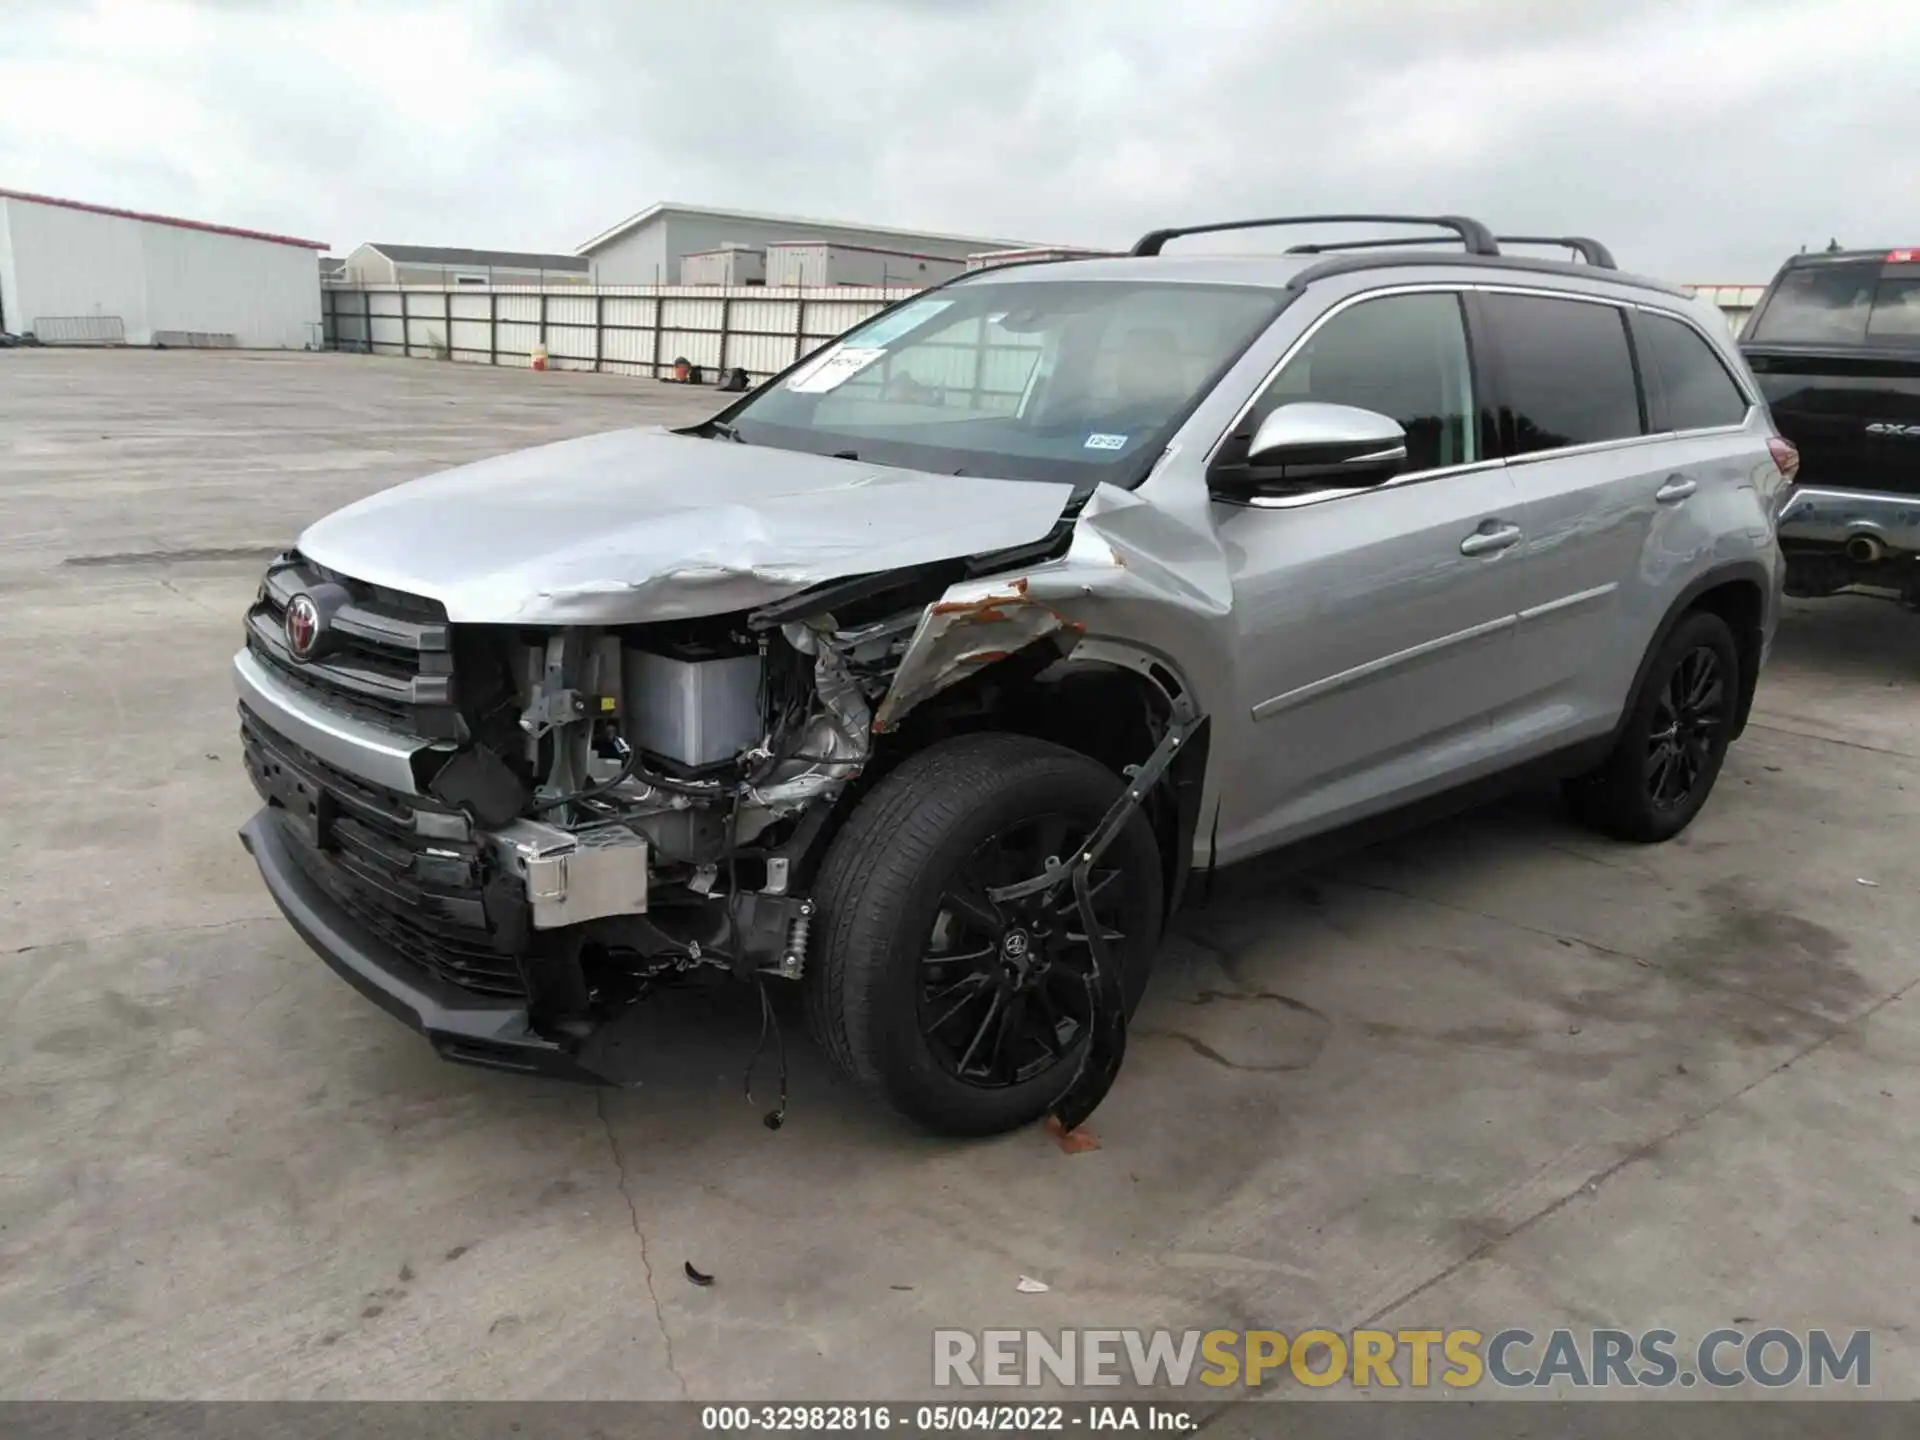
(438, 901)
(384, 657)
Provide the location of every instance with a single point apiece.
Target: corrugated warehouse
(647, 248)
(74, 273)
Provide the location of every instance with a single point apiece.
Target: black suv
(1835, 345)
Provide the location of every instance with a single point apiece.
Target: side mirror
(1310, 445)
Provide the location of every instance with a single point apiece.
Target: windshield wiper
(727, 432)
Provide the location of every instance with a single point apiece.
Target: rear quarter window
(1698, 391)
(1896, 309)
(1566, 371)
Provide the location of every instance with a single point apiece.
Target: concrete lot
(1495, 1073)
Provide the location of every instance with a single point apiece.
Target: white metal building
(647, 248)
(78, 273)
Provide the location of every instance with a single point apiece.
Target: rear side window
(1698, 391)
(1896, 310)
(1820, 305)
(1567, 370)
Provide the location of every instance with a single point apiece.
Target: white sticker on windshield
(890, 328)
(833, 369)
(1098, 441)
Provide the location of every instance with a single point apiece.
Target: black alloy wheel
(972, 1017)
(1687, 724)
(1004, 987)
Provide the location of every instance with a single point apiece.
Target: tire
(896, 950)
(1671, 745)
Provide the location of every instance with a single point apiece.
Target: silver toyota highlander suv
(925, 674)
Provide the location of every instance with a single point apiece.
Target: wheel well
(1107, 712)
(1742, 604)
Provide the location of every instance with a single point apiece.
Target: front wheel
(966, 1015)
(1673, 740)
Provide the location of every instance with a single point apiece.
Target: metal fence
(623, 329)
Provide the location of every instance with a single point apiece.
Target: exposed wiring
(776, 1117)
(629, 759)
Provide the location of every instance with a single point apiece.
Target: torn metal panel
(974, 626)
(1128, 571)
(645, 525)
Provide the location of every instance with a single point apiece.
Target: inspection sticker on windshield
(833, 369)
(1099, 441)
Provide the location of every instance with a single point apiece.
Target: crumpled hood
(641, 525)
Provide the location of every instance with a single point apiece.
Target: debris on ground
(697, 1277)
(1073, 1141)
(1030, 1286)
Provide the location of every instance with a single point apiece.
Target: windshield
(1081, 381)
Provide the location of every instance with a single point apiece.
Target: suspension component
(794, 962)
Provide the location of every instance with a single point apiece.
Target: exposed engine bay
(662, 789)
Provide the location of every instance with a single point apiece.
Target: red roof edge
(33, 199)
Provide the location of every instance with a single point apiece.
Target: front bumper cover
(470, 1029)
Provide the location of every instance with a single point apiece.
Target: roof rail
(1471, 233)
(1386, 242)
(1591, 251)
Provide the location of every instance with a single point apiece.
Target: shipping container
(729, 265)
(987, 259)
(819, 262)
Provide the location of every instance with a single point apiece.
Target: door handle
(1490, 542)
(1678, 487)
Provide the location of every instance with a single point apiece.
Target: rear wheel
(967, 1015)
(1674, 739)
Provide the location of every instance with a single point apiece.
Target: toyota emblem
(303, 626)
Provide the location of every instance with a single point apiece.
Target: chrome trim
(357, 620)
(362, 750)
(1824, 516)
(347, 677)
(1460, 287)
(1568, 602)
(1314, 497)
(1266, 709)
(1591, 447)
(1435, 287)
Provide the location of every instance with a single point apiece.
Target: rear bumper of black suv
(1822, 516)
(469, 1029)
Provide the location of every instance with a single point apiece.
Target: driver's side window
(1404, 356)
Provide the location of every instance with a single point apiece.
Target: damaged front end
(578, 815)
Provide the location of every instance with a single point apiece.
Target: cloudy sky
(1702, 141)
